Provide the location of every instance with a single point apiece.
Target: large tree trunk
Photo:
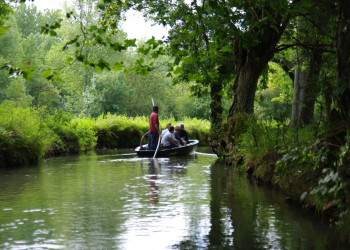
(306, 81)
(310, 89)
(313, 36)
(343, 82)
(343, 58)
(298, 90)
(215, 114)
(249, 63)
(252, 51)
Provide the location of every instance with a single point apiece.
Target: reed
(28, 134)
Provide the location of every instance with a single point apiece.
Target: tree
(343, 62)
(314, 38)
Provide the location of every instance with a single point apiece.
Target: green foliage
(24, 134)
(330, 190)
(27, 134)
(121, 131)
(262, 136)
(197, 129)
(66, 140)
(293, 160)
(273, 102)
(259, 138)
(84, 129)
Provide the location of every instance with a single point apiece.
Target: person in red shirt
(154, 128)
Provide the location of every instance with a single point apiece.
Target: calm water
(114, 200)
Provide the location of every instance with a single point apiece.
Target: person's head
(182, 126)
(168, 125)
(177, 127)
(171, 129)
(155, 109)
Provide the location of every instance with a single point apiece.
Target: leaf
(130, 43)
(53, 33)
(93, 27)
(178, 70)
(67, 45)
(80, 58)
(46, 73)
(102, 65)
(69, 60)
(140, 61)
(3, 29)
(303, 196)
(118, 66)
(98, 68)
(144, 72)
(69, 14)
(28, 74)
(226, 49)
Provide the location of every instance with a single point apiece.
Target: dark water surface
(114, 200)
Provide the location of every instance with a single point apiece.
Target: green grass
(28, 134)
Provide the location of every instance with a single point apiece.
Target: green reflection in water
(114, 200)
(245, 215)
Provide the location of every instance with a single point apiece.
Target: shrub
(66, 141)
(84, 130)
(25, 136)
(119, 131)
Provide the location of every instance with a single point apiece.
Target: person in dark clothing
(183, 133)
(177, 135)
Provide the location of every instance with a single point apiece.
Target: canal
(115, 200)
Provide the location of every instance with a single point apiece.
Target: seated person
(177, 135)
(168, 140)
(164, 131)
(183, 133)
(147, 136)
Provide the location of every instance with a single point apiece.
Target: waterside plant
(28, 134)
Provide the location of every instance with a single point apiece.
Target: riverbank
(29, 134)
(312, 169)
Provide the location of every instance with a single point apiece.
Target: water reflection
(247, 216)
(119, 201)
(152, 178)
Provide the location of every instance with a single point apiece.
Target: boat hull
(190, 148)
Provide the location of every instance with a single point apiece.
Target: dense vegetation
(28, 133)
(72, 113)
(272, 76)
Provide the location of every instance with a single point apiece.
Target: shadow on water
(116, 200)
(245, 215)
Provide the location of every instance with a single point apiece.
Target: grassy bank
(28, 134)
(311, 165)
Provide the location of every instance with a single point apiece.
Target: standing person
(154, 129)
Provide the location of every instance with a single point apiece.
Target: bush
(65, 141)
(121, 131)
(25, 136)
(84, 130)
